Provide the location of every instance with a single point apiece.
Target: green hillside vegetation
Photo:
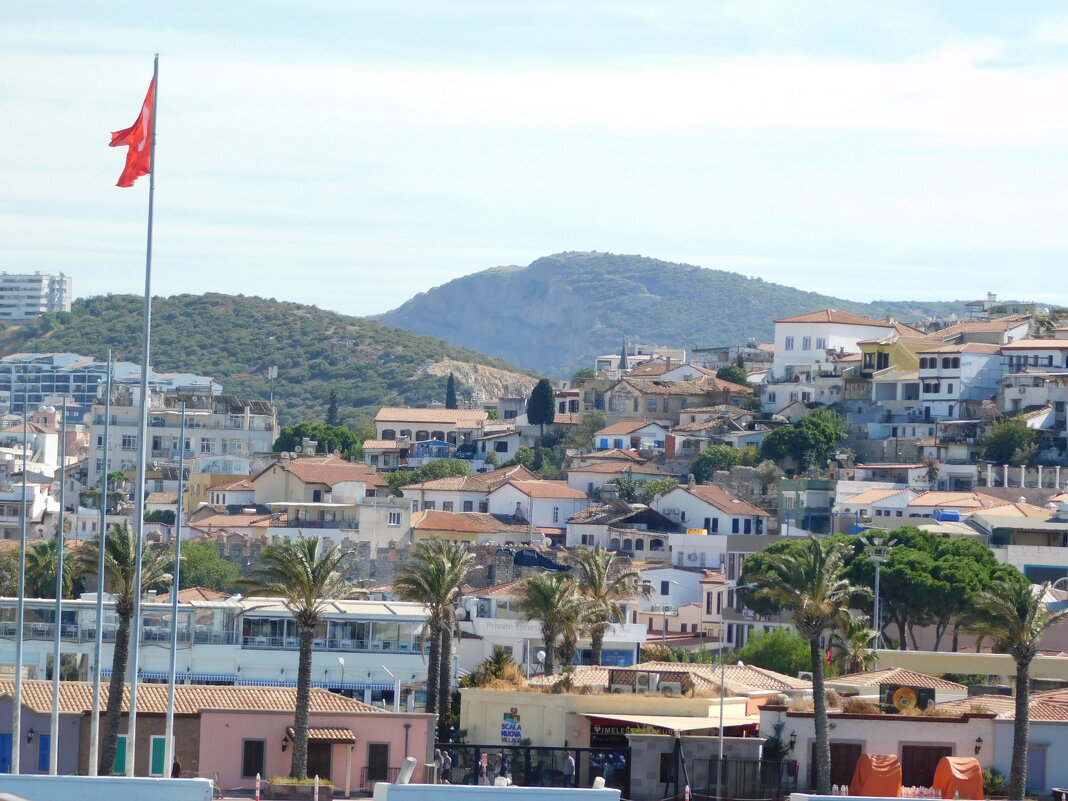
(559, 313)
(235, 339)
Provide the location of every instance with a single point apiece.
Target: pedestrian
(438, 761)
(569, 770)
(176, 769)
(502, 770)
(446, 767)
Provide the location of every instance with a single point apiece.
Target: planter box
(282, 791)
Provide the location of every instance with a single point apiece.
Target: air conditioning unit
(483, 609)
(622, 688)
(670, 688)
(647, 682)
(804, 675)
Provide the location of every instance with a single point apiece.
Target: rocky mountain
(235, 339)
(559, 312)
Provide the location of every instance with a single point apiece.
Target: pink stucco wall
(222, 733)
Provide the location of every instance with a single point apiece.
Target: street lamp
(878, 551)
(341, 661)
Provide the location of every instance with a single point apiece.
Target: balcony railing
(332, 644)
(74, 633)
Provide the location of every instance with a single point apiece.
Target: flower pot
(286, 791)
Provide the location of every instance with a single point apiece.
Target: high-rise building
(25, 297)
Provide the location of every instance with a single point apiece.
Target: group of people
(486, 775)
(606, 764)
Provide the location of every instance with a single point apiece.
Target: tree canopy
(329, 438)
(541, 407)
(734, 374)
(1010, 441)
(782, 649)
(431, 471)
(634, 490)
(810, 442)
(713, 458)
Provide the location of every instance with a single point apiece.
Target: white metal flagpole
(20, 609)
(176, 583)
(139, 489)
(94, 731)
(53, 741)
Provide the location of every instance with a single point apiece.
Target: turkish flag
(138, 137)
(830, 655)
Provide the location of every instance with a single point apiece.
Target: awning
(331, 736)
(731, 717)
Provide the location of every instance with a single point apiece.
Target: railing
(332, 644)
(538, 766)
(371, 774)
(74, 633)
(343, 524)
(752, 779)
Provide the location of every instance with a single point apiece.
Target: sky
(351, 153)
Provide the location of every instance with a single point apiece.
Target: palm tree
(434, 577)
(853, 641)
(1014, 616)
(605, 586)
(120, 560)
(41, 563)
(807, 581)
(553, 601)
(306, 577)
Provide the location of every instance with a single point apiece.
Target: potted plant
(284, 787)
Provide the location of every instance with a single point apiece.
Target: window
(617, 443)
(949, 389)
(788, 344)
(556, 514)
(821, 343)
(446, 506)
(429, 506)
(207, 445)
(667, 404)
(394, 518)
(734, 525)
(501, 446)
(129, 442)
(483, 506)
(317, 496)
(806, 343)
(252, 758)
(650, 405)
(899, 513)
(771, 397)
(635, 405)
(415, 506)
(747, 528)
(665, 587)
(469, 506)
(587, 539)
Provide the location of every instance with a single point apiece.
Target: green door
(120, 756)
(159, 753)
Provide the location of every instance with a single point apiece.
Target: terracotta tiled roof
(331, 735)
(1036, 344)
(235, 486)
(649, 386)
(77, 696)
(196, 594)
(614, 453)
(1000, 324)
(258, 520)
(964, 347)
(649, 369)
(738, 678)
(331, 470)
(835, 316)
(723, 500)
(897, 676)
(619, 467)
(32, 427)
(547, 489)
(1004, 706)
(380, 445)
(480, 482)
(870, 496)
(400, 414)
(627, 426)
(560, 419)
(463, 522)
(161, 497)
(959, 500)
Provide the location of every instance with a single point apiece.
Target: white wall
(107, 788)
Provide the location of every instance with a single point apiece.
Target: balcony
(335, 645)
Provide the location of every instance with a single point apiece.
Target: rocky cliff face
(489, 382)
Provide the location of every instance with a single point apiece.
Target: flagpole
(53, 742)
(94, 730)
(168, 747)
(20, 613)
(139, 504)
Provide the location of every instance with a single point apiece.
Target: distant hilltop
(560, 312)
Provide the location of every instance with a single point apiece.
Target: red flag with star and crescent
(138, 137)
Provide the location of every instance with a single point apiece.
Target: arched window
(389, 433)
(422, 436)
(639, 545)
(656, 545)
(628, 545)
(406, 432)
(613, 544)
(438, 435)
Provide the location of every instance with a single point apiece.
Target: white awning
(731, 717)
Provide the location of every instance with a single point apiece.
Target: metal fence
(752, 779)
(376, 774)
(536, 766)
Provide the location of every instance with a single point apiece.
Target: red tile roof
(463, 523)
(330, 470)
(609, 467)
(723, 500)
(627, 426)
(897, 675)
(835, 316)
(547, 489)
(400, 414)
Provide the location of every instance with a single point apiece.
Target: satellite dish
(540, 656)
(546, 542)
(297, 449)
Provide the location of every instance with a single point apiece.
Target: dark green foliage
(165, 516)
(329, 438)
(713, 458)
(540, 460)
(564, 310)
(782, 649)
(634, 490)
(331, 408)
(204, 566)
(235, 339)
(734, 374)
(541, 408)
(583, 374)
(810, 442)
(1010, 441)
(450, 392)
(431, 471)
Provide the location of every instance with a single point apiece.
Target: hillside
(558, 313)
(235, 339)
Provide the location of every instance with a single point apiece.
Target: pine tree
(331, 409)
(450, 392)
(541, 407)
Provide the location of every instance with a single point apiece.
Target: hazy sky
(350, 153)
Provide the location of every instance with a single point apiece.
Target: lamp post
(723, 685)
(878, 551)
(341, 661)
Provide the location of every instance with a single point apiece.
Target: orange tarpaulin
(959, 777)
(877, 775)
